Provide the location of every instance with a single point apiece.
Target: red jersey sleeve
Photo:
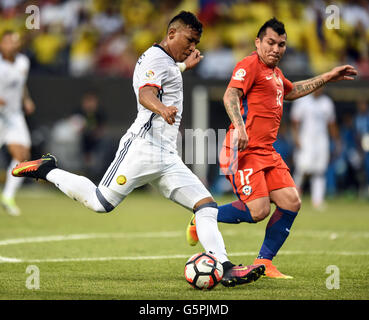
(244, 75)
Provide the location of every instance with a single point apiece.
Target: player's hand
(169, 114)
(342, 73)
(240, 139)
(193, 59)
(29, 106)
(2, 102)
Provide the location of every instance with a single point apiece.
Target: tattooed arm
(231, 101)
(303, 88)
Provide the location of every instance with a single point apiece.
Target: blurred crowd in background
(105, 37)
(83, 37)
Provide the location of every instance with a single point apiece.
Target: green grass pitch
(139, 250)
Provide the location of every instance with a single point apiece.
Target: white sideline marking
(169, 234)
(176, 256)
(6, 259)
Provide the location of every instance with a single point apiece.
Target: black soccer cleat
(242, 274)
(37, 169)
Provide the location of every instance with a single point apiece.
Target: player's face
(183, 42)
(10, 44)
(271, 48)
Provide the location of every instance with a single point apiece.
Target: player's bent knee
(107, 199)
(295, 203)
(260, 211)
(259, 208)
(104, 206)
(205, 203)
(99, 209)
(260, 214)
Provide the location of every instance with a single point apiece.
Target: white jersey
(13, 126)
(13, 76)
(314, 114)
(147, 153)
(156, 68)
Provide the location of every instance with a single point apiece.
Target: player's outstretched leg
(74, 186)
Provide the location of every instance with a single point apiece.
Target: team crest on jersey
(121, 180)
(247, 190)
(149, 74)
(240, 75)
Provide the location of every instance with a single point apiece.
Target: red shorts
(255, 175)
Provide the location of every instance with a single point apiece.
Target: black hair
(273, 23)
(189, 19)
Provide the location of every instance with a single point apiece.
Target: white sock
(208, 233)
(318, 186)
(76, 187)
(12, 183)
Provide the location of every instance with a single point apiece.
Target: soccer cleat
(10, 206)
(242, 274)
(271, 270)
(37, 169)
(191, 234)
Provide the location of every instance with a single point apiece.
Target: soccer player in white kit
(313, 121)
(14, 97)
(147, 152)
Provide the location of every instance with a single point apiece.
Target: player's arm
(28, 104)
(231, 102)
(304, 87)
(148, 97)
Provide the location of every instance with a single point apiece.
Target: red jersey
(263, 90)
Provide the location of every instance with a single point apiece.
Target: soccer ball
(203, 271)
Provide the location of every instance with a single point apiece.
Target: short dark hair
(189, 19)
(273, 23)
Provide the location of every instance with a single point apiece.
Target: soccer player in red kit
(254, 103)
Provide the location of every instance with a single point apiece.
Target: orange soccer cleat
(37, 169)
(271, 270)
(191, 234)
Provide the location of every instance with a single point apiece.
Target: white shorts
(14, 130)
(312, 161)
(139, 162)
